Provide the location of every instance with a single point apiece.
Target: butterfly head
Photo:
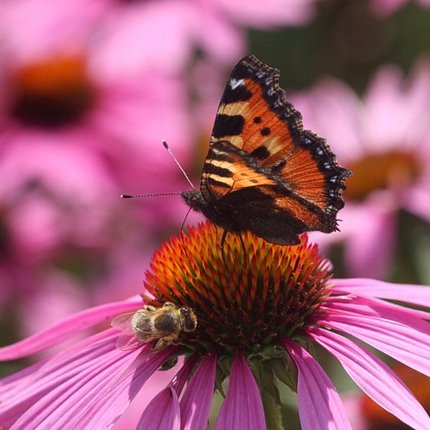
(217, 214)
(195, 200)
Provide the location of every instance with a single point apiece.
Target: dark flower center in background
(52, 93)
(246, 296)
(381, 171)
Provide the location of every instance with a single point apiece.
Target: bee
(163, 326)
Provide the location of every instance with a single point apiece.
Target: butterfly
(264, 173)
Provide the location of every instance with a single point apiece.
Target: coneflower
(259, 308)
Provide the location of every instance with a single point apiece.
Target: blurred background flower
(384, 139)
(88, 91)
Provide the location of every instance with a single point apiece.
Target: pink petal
(369, 253)
(242, 408)
(197, 400)
(320, 407)
(67, 328)
(162, 413)
(87, 386)
(412, 294)
(180, 379)
(60, 406)
(21, 394)
(377, 308)
(375, 378)
(333, 102)
(268, 13)
(407, 339)
(372, 306)
(109, 401)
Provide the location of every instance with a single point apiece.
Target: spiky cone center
(246, 294)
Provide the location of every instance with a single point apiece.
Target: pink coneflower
(61, 112)
(73, 137)
(384, 138)
(259, 308)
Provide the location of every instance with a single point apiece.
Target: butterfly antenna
(178, 164)
(134, 196)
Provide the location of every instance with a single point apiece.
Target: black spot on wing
(228, 125)
(265, 131)
(261, 152)
(238, 94)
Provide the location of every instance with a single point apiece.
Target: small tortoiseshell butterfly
(263, 172)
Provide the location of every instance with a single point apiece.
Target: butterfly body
(263, 172)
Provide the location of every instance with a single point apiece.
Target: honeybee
(163, 326)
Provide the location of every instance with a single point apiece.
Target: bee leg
(169, 305)
(160, 344)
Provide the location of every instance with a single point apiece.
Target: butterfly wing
(262, 163)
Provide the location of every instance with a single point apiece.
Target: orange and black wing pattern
(264, 172)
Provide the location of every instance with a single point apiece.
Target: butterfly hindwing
(228, 169)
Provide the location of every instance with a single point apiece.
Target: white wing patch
(234, 83)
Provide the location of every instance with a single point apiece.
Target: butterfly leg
(224, 235)
(185, 218)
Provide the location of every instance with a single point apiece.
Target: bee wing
(126, 342)
(127, 339)
(123, 322)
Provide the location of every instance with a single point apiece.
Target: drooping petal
(112, 397)
(179, 380)
(374, 307)
(405, 338)
(413, 294)
(197, 400)
(242, 408)
(67, 328)
(375, 378)
(86, 386)
(31, 396)
(162, 413)
(165, 406)
(320, 407)
(59, 407)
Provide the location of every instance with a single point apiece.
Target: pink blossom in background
(384, 138)
(385, 8)
(92, 383)
(171, 30)
(28, 25)
(267, 14)
(57, 293)
(73, 137)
